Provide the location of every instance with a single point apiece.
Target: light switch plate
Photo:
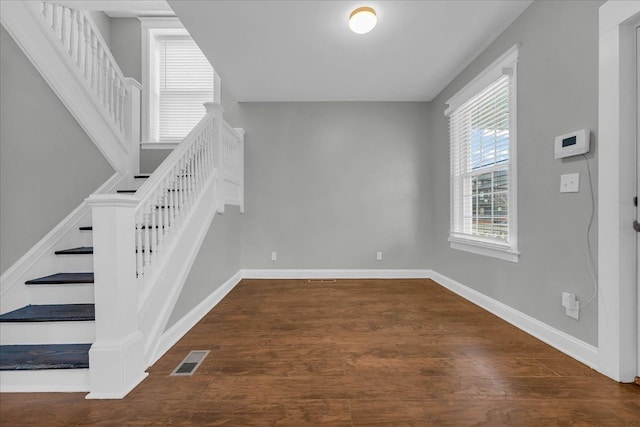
(570, 183)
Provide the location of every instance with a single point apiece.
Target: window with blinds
(482, 165)
(185, 82)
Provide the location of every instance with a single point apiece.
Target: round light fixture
(362, 20)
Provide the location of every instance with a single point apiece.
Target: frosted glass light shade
(362, 20)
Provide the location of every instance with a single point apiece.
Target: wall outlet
(379, 256)
(570, 183)
(274, 256)
(571, 305)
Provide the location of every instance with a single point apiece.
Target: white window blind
(185, 83)
(481, 189)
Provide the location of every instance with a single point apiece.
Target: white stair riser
(75, 263)
(45, 380)
(47, 332)
(78, 293)
(87, 237)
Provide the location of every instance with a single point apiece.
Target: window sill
(494, 250)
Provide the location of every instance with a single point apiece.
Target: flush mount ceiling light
(362, 20)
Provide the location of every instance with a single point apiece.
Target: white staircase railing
(166, 197)
(69, 51)
(78, 35)
(145, 244)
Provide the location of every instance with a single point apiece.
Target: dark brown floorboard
(351, 353)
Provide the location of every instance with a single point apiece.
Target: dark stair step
(90, 228)
(44, 356)
(126, 191)
(61, 278)
(84, 250)
(142, 176)
(51, 313)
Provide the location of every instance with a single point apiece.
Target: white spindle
(158, 199)
(88, 53)
(77, 49)
(147, 245)
(154, 232)
(55, 23)
(98, 68)
(172, 210)
(165, 210)
(66, 34)
(182, 182)
(123, 97)
(139, 265)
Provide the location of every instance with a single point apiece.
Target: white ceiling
(303, 50)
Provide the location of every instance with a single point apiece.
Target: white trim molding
(617, 301)
(40, 260)
(569, 345)
(461, 236)
(335, 274)
(479, 247)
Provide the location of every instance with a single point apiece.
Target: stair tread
(83, 250)
(86, 228)
(126, 191)
(61, 278)
(142, 175)
(51, 313)
(44, 356)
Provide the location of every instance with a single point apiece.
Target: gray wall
(126, 46)
(48, 165)
(329, 184)
(557, 93)
(102, 21)
(218, 260)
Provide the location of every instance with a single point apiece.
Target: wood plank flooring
(351, 353)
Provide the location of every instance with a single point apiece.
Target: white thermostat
(572, 144)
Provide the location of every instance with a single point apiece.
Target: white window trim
(506, 64)
(151, 28)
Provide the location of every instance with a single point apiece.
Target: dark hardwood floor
(351, 353)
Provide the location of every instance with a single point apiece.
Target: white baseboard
(45, 381)
(569, 345)
(335, 274)
(181, 327)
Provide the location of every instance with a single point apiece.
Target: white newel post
(241, 132)
(132, 122)
(116, 359)
(217, 111)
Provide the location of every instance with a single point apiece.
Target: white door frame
(617, 296)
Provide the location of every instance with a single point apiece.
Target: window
(185, 83)
(177, 80)
(483, 167)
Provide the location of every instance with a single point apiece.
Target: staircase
(49, 340)
(86, 307)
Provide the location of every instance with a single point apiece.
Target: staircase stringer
(40, 260)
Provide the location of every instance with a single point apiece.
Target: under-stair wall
(67, 48)
(40, 183)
